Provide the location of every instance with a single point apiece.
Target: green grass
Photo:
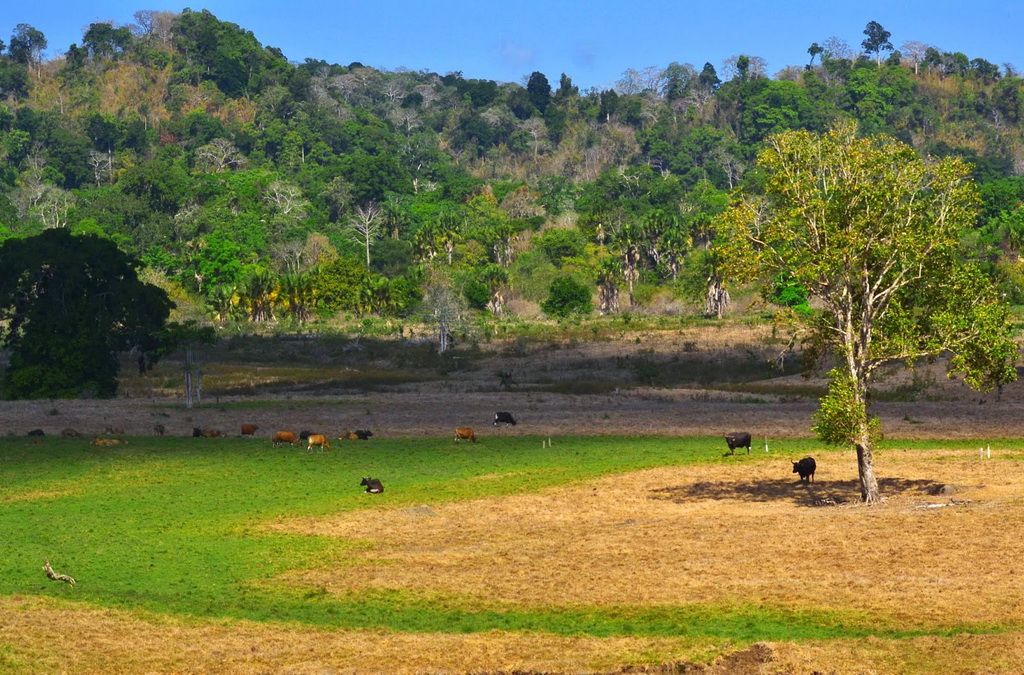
(176, 526)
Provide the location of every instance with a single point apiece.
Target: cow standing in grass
(738, 439)
(283, 437)
(318, 440)
(465, 434)
(504, 418)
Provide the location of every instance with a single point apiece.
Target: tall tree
(539, 91)
(872, 230)
(67, 306)
(364, 228)
(26, 45)
(876, 41)
(814, 50)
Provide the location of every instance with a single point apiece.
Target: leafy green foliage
(872, 230)
(567, 297)
(841, 415)
(69, 304)
(211, 157)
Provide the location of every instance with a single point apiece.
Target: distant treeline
(262, 189)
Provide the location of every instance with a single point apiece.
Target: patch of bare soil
(713, 534)
(705, 381)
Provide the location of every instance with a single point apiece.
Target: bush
(476, 293)
(566, 297)
(559, 244)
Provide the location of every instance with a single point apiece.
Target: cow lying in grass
(373, 486)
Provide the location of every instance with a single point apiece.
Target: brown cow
(348, 436)
(106, 442)
(211, 433)
(465, 433)
(317, 439)
(283, 437)
(249, 429)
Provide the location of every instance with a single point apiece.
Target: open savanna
(593, 554)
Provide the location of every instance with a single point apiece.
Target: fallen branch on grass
(53, 576)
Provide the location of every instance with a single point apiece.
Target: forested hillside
(263, 189)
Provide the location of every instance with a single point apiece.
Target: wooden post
(188, 377)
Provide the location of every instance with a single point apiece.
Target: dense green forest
(256, 189)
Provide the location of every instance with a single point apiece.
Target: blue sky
(591, 41)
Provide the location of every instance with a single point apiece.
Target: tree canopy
(872, 231)
(68, 305)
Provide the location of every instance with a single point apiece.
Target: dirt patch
(712, 535)
(709, 380)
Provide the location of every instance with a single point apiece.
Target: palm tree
(259, 294)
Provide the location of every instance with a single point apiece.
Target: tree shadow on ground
(822, 493)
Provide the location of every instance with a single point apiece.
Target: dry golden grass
(47, 636)
(40, 635)
(747, 533)
(33, 495)
(958, 655)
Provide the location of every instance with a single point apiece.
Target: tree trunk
(717, 298)
(866, 470)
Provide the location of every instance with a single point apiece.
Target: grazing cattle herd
(737, 439)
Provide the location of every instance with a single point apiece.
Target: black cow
(363, 434)
(805, 467)
(197, 432)
(504, 418)
(36, 432)
(304, 435)
(373, 486)
(738, 439)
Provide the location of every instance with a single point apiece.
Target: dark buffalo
(738, 439)
(363, 434)
(805, 467)
(36, 432)
(197, 432)
(304, 435)
(504, 418)
(373, 486)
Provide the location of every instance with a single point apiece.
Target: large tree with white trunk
(872, 230)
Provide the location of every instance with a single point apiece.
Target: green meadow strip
(178, 526)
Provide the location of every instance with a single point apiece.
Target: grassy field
(683, 555)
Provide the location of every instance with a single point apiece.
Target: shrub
(566, 297)
(559, 244)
